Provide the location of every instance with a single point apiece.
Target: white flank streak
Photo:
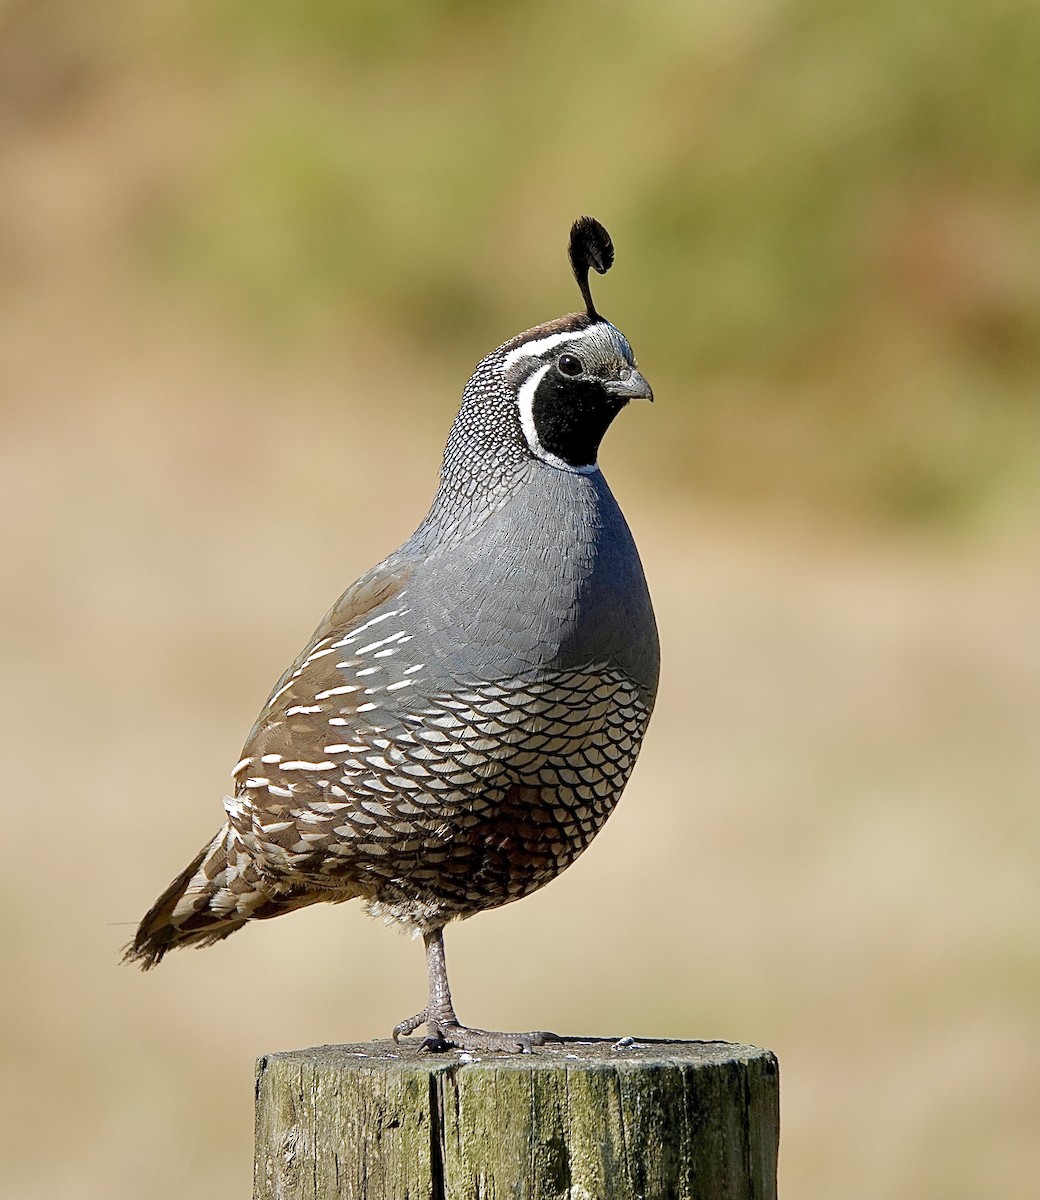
(340, 748)
(382, 642)
(284, 688)
(300, 765)
(366, 707)
(417, 667)
(394, 612)
(338, 721)
(534, 349)
(340, 691)
(270, 758)
(257, 781)
(393, 687)
(384, 653)
(318, 654)
(294, 711)
(241, 765)
(366, 671)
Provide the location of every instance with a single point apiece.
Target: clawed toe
(404, 1028)
(462, 1037)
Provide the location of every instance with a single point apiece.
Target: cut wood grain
(583, 1120)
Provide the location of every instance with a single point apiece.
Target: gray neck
(485, 462)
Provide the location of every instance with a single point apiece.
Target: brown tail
(217, 893)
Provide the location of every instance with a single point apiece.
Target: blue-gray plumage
(465, 717)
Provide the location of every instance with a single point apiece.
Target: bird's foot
(404, 1028)
(452, 1036)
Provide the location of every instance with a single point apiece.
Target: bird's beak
(630, 385)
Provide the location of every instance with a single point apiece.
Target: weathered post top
(585, 1119)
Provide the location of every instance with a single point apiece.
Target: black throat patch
(571, 416)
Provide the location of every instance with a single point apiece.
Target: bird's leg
(444, 1029)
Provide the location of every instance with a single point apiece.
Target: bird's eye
(568, 364)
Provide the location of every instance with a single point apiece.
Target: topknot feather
(590, 246)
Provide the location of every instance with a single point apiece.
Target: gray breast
(553, 582)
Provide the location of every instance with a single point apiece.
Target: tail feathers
(217, 893)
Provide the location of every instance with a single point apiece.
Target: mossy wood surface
(582, 1120)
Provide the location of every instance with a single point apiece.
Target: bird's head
(572, 376)
(548, 394)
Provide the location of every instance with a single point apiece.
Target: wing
(366, 604)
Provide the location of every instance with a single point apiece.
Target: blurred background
(249, 253)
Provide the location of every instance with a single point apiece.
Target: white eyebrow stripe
(533, 349)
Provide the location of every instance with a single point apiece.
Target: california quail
(465, 717)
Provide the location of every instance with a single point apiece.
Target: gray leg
(444, 1029)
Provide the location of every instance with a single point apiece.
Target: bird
(463, 720)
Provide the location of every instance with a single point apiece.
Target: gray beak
(630, 385)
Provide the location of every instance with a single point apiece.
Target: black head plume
(590, 247)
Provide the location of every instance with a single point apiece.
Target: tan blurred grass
(830, 844)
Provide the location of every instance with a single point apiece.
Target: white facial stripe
(534, 349)
(525, 403)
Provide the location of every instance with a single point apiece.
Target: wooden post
(582, 1120)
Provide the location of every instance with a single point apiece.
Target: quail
(464, 719)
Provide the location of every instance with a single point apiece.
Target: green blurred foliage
(824, 212)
